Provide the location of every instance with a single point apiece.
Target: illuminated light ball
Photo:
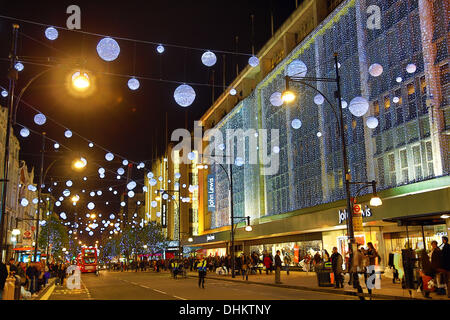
(125, 162)
(101, 171)
(51, 33)
(91, 205)
(319, 134)
(154, 204)
(276, 149)
(57, 203)
(150, 175)
(61, 199)
(411, 68)
(92, 194)
(375, 69)
(66, 193)
(142, 165)
(32, 188)
(102, 176)
(91, 145)
(63, 215)
(35, 200)
(120, 171)
(359, 106)
(275, 99)
(91, 233)
(115, 192)
(19, 66)
(56, 145)
(395, 99)
(209, 58)
(158, 214)
(160, 48)
(4, 93)
(177, 175)
(108, 49)
(99, 192)
(398, 79)
(131, 185)
(133, 84)
(131, 194)
(165, 196)
(40, 119)
(109, 156)
(84, 178)
(344, 104)
(184, 95)
(152, 182)
(24, 132)
(24, 202)
(69, 183)
(296, 68)
(191, 189)
(253, 61)
(296, 123)
(118, 177)
(319, 99)
(238, 161)
(122, 204)
(233, 91)
(68, 133)
(111, 216)
(191, 156)
(221, 146)
(184, 185)
(372, 122)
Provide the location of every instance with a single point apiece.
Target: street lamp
(81, 81)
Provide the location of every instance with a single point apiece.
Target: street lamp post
(179, 216)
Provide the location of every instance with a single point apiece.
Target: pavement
(308, 281)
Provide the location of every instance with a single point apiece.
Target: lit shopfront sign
(211, 183)
(210, 237)
(367, 212)
(164, 214)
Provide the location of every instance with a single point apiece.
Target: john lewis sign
(367, 212)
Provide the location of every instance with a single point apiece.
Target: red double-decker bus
(87, 260)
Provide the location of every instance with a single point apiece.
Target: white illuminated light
(319, 134)
(160, 48)
(209, 59)
(399, 79)
(359, 106)
(69, 183)
(51, 33)
(411, 68)
(18, 66)
(131, 194)
(276, 149)
(24, 202)
(375, 69)
(152, 182)
(133, 84)
(91, 145)
(296, 68)
(319, 99)
(344, 104)
(68, 134)
(91, 205)
(24, 132)
(4, 93)
(56, 145)
(109, 157)
(253, 61)
(296, 123)
(125, 162)
(108, 49)
(372, 122)
(131, 185)
(233, 92)
(120, 171)
(154, 204)
(40, 119)
(275, 99)
(184, 95)
(191, 156)
(122, 204)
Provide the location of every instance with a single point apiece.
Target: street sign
(357, 219)
(27, 234)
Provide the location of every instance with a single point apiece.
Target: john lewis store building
(406, 152)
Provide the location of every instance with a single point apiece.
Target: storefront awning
(24, 249)
(427, 219)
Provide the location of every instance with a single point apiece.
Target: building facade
(299, 208)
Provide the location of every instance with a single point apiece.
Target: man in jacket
(445, 263)
(277, 268)
(201, 267)
(336, 264)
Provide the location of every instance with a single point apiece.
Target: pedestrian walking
(336, 264)
(201, 267)
(267, 263)
(245, 266)
(445, 263)
(287, 262)
(278, 268)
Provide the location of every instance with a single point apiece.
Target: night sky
(128, 123)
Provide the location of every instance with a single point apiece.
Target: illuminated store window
(404, 165)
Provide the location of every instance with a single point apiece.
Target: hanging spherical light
(56, 145)
(375, 69)
(372, 122)
(177, 175)
(24, 132)
(209, 58)
(99, 192)
(125, 162)
(184, 95)
(395, 99)
(4, 93)
(276, 149)
(133, 84)
(296, 123)
(399, 79)
(131, 185)
(141, 165)
(109, 156)
(233, 92)
(411, 68)
(68, 133)
(120, 171)
(191, 156)
(101, 170)
(24, 202)
(150, 175)
(319, 99)
(51, 33)
(66, 193)
(275, 99)
(18, 66)
(344, 104)
(57, 203)
(69, 183)
(40, 119)
(296, 68)
(130, 194)
(108, 49)
(319, 134)
(160, 48)
(91, 205)
(91, 145)
(359, 106)
(253, 61)
(154, 204)
(63, 215)
(152, 182)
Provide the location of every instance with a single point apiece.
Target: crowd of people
(32, 276)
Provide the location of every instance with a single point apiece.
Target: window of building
(404, 165)
(411, 91)
(445, 76)
(387, 103)
(380, 165)
(376, 108)
(412, 110)
(424, 126)
(417, 162)
(400, 136)
(391, 163)
(387, 121)
(429, 152)
(399, 113)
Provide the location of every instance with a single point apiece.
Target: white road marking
(159, 291)
(179, 298)
(144, 286)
